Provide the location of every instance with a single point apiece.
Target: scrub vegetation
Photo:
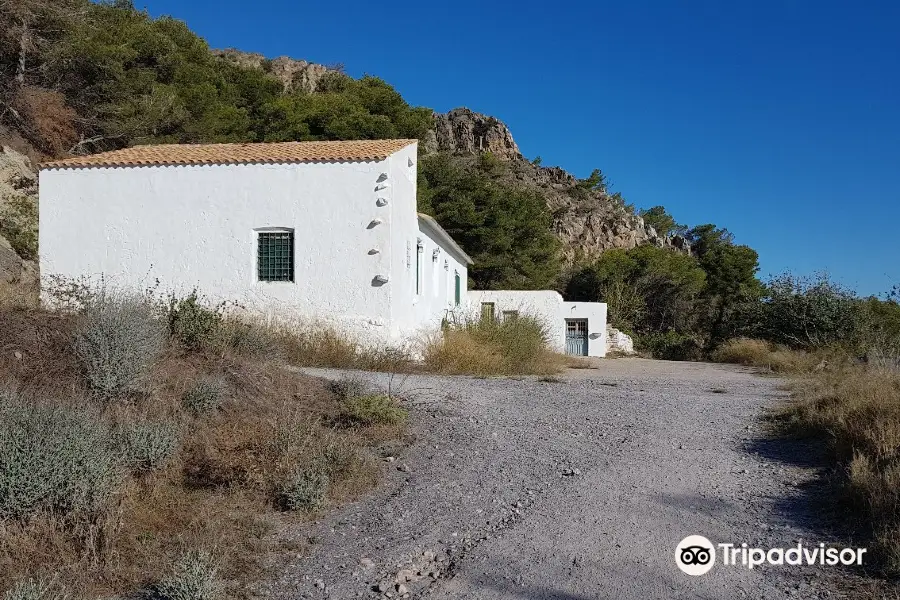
(844, 355)
(485, 347)
(159, 468)
(855, 410)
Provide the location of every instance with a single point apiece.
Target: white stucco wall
(549, 307)
(595, 313)
(545, 305)
(437, 269)
(196, 226)
(417, 314)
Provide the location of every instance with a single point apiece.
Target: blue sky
(777, 120)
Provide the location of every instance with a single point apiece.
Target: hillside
(78, 77)
(80, 92)
(587, 222)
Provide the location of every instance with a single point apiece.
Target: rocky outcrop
(588, 222)
(18, 186)
(618, 342)
(462, 131)
(295, 75)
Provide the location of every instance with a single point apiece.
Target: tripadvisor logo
(696, 555)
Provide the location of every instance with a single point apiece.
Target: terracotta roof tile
(215, 154)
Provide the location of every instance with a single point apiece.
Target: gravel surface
(573, 489)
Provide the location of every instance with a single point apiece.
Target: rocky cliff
(295, 75)
(588, 222)
(462, 131)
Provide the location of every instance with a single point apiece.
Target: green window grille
(458, 286)
(275, 256)
(487, 311)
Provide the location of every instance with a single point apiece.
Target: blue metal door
(577, 337)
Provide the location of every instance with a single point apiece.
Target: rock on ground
(619, 342)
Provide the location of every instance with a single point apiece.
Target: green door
(577, 337)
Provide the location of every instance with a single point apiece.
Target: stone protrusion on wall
(381, 201)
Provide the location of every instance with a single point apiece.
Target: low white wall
(549, 306)
(595, 313)
(545, 305)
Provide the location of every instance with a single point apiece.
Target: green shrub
(193, 325)
(348, 387)
(671, 345)
(205, 396)
(19, 225)
(54, 459)
(194, 577)
(32, 589)
(304, 490)
(117, 339)
(373, 409)
(146, 446)
(809, 313)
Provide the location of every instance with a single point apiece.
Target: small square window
(510, 315)
(487, 311)
(275, 256)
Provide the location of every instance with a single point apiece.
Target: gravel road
(573, 489)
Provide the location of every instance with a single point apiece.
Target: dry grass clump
(19, 294)
(857, 410)
(486, 347)
(205, 396)
(324, 345)
(317, 346)
(113, 462)
(758, 353)
(36, 589)
(194, 576)
(373, 409)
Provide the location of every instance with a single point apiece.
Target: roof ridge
(291, 151)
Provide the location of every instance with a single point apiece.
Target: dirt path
(570, 490)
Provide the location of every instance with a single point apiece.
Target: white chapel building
(323, 231)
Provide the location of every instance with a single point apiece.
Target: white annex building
(298, 230)
(577, 328)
